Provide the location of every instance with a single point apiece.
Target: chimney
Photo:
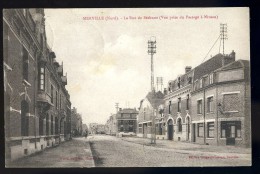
(228, 58)
(187, 69)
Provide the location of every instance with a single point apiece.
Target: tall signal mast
(223, 34)
(152, 51)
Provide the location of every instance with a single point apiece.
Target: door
(194, 132)
(170, 130)
(231, 133)
(145, 130)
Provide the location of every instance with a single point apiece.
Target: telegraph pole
(152, 51)
(223, 34)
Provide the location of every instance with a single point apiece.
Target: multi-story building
(111, 127)
(126, 121)
(37, 104)
(177, 107)
(76, 123)
(221, 102)
(100, 129)
(147, 111)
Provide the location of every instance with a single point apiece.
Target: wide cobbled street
(109, 151)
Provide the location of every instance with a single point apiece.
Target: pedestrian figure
(86, 134)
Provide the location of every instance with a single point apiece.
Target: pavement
(73, 153)
(111, 151)
(186, 146)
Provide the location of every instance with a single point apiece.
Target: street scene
(126, 87)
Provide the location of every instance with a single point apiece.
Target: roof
(128, 111)
(208, 66)
(155, 98)
(238, 64)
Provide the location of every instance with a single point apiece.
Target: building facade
(37, 104)
(177, 107)
(126, 121)
(111, 128)
(221, 102)
(147, 111)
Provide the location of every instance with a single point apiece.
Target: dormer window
(211, 80)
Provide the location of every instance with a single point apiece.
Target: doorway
(170, 129)
(194, 132)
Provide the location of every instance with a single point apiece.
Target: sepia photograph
(127, 87)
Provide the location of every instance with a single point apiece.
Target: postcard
(127, 87)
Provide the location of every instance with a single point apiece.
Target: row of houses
(36, 102)
(209, 104)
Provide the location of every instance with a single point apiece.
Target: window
(170, 105)
(200, 130)
(56, 125)
(121, 115)
(60, 100)
(57, 99)
(179, 104)
(51, 125)
(179, 125)
(201, 83)
(144, 113)
(210, 104)
(25, 64)
(199, 106)
(231, 129)
(211, 78)
(40, 125)
(231, 102)
(47, 124)
(187, 102)
(210, 130)
(51, 94)
(42, 78)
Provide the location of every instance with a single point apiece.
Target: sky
(107, 61)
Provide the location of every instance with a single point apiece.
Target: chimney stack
(228, 58)
(187, 69)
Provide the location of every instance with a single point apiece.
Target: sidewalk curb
(91, 154)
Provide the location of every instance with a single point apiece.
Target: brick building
(177, 107)
(147, 110)
(221, 102)
(37, 104)
(126, 121)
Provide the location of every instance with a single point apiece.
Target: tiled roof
(208, 66)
